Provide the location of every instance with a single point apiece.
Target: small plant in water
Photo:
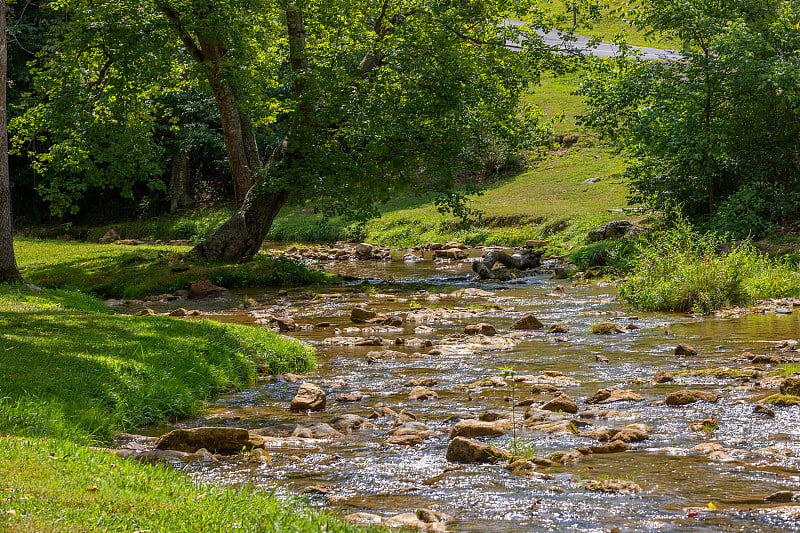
(709, 427)
(787, 369)
(508, 372)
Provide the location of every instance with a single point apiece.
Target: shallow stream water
(361, 473)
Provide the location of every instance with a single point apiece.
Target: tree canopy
(716, 133)
(343, 102)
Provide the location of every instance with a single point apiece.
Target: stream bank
(680, 457)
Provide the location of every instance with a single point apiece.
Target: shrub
(680, 269)
(618, 254)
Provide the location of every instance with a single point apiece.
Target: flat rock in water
(405, 439)
(561, 403)
(359, 315)
(346, 423)
(286, 324)
(478, 428)
(685, 349)
(480, 329)
(784, 496)
(215, 439)
(615, 446)
(662, 377)
(613, 395)
(350, 397)
(421, 393)
(685, 397)
(423, 382)
(762, 409)
(365, 519)
(612, 486)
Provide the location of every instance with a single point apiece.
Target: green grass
(72, 368)
(680, 269)
(114, 271)
(73, 373)
(57, 486)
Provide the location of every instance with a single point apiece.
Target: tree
(8, 263)
(343, 102)
(718, 131)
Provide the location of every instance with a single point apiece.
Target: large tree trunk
(241, 236)
(237, 127)
(179, 182)
(8, 263)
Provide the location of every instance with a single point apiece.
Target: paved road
(568, 42)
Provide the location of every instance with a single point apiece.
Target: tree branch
(188, 42)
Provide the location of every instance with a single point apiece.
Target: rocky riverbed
(444, 403)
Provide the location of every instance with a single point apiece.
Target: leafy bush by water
(680, 269)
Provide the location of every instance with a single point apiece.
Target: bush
(682, 270)
(618, 254)
(755, 211)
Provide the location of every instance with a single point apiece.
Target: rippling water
(365, 475)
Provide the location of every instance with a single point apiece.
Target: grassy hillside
(547, 201)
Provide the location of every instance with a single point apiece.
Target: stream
(754, 455)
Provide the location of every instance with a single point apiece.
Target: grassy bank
(71, 368)
(72, 373)
(114, 271)
(56, 486)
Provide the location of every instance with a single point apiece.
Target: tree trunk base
(240, 237)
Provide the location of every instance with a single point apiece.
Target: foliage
(385, 95)
(72, 368)
(718, 127)
(680, 269)
(113, 271)
(614, 253)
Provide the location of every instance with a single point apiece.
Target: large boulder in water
(791, 386)
(214, 439)
(309, 398)
(478, 428)
(462, 450)
(527, 322)
(561, 403)
(360, 315)
(685, 397)
(613, 395)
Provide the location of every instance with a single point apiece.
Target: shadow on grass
(137, 273)
(104, 372)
